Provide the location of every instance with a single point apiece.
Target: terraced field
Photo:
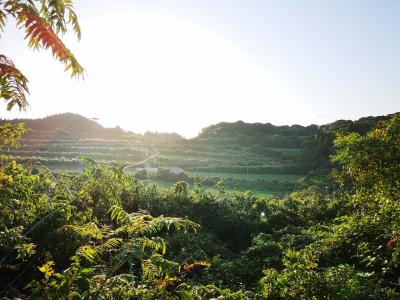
(267, 177)
(245, 162)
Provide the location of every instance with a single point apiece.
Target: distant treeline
(250, 129)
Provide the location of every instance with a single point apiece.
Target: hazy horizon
(189, 137)
(180, 66)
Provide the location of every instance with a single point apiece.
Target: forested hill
(238, 128)
(65, 124)
(361, 126)
(77, 124)
(67, 121)
(225, 129)
(59, 140)
(322, 146)
(257, 134)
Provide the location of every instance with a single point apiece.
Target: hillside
(66, 121)
(64, 125)
(69, 135)
(247, 156)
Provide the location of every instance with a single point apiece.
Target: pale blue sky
(172, 65)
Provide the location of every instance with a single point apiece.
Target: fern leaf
(89, 230)
(118, 214)
(109, 245)
(180, 224)
(150, 270)
(157, 267)
(153, 244)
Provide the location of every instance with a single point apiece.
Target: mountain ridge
(76, 123)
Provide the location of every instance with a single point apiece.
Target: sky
(181, 65)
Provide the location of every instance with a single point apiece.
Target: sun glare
(162, 74)
(149, 72)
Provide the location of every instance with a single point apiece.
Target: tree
(353, 251)
(43, 22)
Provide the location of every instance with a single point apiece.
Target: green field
(267, 177)
(229, 190)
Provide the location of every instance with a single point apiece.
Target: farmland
(245, 161)
(262, 158)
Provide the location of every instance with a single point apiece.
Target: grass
(267, 177)
(229, 191)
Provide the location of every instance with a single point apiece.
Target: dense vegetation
(102, 234)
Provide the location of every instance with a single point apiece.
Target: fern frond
(118, 214)
(89, 230)
(13, 84)
(157, 267)
(109, 245)
(153, 244)
(134, 223)
(142, 223)
(150, 270)
(166, 222)
(40, 34)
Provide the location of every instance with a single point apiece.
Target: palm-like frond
(150, 270)
(158, 266)
(166, 222)
(13, 84)
(143, 223)
(108, 245)
(41, 31)
(88, 230)
(153, 244)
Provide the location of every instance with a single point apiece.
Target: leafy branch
(42, 21)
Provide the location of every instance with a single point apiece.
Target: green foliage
(102, 234)
(106, 244)
(9, 135)
(353, 252)
(14, 85)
